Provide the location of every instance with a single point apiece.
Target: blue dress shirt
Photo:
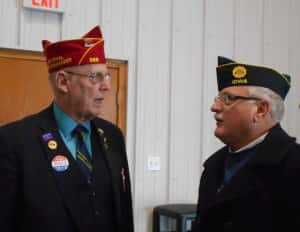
(65, 127)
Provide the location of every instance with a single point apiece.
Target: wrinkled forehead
(237, 90)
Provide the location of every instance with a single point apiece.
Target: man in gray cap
(251, 184)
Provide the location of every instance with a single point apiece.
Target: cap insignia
(239, 72)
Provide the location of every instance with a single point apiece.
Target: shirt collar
(66, 124)
(251, 144)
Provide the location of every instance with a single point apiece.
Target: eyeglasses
(94, 77)
(228, 99)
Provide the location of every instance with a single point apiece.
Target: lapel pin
(103, 138)
(52, 144)
(60, 163)
(123, 179)
(46, 137)
(100, 131)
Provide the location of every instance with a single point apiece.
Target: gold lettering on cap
(57, 61)
(239, 72)
(239, 81)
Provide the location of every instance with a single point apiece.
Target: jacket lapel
(113, 163)
(211, 180)
(61, 165)
(241, 184)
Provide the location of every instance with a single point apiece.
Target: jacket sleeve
(9, 184)
(289, 189)
(126, 196)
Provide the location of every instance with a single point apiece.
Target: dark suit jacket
(34, 197)
(263, 196)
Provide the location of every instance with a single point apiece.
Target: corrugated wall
(172, 48)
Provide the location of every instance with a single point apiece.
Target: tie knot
(79, 131)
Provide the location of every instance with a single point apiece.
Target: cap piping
(87, 51)
(72, 40)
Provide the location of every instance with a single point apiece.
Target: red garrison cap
(65, 53)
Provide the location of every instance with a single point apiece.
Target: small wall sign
(45, 5)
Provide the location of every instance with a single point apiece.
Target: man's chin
(97, 113)
(219, 133)
(98, 104)
(93, 114)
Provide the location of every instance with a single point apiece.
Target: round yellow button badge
(52, 144)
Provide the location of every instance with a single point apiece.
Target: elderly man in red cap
(64, 169)
(252, 183)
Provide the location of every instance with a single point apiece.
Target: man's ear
(62, 81)
(263, 109)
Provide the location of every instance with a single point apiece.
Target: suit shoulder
(293, 153)
(215, 157)
(107, 126)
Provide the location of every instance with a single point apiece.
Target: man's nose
(105, 85)
(216, 106)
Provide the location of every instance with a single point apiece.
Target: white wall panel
(32, 24)
(276, 34)
(276, 40)
(36, 26)
(115, 26)
(171, 47)
(80, 16)
(293, 99)
(119, 23)
(152, 106)
(185, 102)
(9, 23)
(249, 31)
(219, 40)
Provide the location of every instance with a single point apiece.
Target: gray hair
(276, 102)
(51, 78)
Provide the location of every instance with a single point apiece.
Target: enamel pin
(60, 163)
(52, 144)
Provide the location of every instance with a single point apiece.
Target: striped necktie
(82, 154)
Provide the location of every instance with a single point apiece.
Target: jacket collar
(268, 156)
(270, 152)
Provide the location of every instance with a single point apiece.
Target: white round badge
(60, 163)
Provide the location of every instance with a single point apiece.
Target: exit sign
(46, 5)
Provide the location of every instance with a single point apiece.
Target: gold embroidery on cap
(88, 50)
(94, 59)
(57, 61)
(239, 72)
(239, 81)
